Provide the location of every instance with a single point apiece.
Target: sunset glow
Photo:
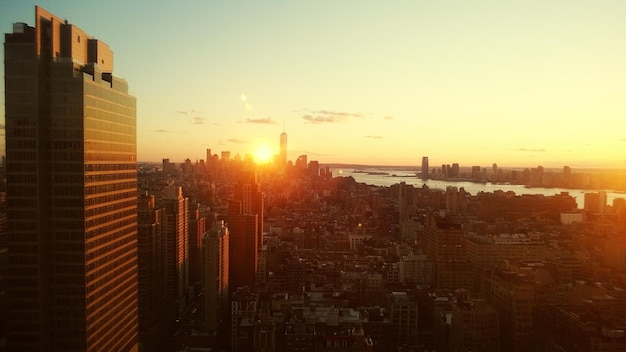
(263, 154)
(519, 83)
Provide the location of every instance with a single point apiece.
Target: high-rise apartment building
(244, 250)
(72, 192)
(176, 232)
(153, 314)
(216, 275)
(197, 230)
(247, 192)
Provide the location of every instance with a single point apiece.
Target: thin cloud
(267, 121)
(329, 116)
(189, 112)
(237, 141)
(531, 150)
(198, 120)
(374, 137)
(162, 131)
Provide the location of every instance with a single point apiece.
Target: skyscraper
(283, 149)
(424, 168)
(72, 192)
(216, 275)
(176, 232)
(151, 275)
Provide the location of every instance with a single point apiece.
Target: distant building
(595, 202)
(314, 168)
(283, 149)
(425, 168)
(301, 162)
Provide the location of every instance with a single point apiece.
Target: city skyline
(518, 84)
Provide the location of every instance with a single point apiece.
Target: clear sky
(518, 83)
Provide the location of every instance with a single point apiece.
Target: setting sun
(263, 154)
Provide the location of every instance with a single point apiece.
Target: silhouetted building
(243, 250)
(578, 330)
(283, 149)
(153, 307)
(403, 316)
(72, 192)
(197, 229)
(595, 203)
(244, 304)
(474, 326)
(247, 193)
(314, 168)
(176, 232)
(513, 296)
(301, 162)
(425, 168)
(216, 275)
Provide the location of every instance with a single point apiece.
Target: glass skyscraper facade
(71, 192)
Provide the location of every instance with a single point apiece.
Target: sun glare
(263, 154)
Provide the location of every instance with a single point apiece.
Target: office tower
(243, 250)
(301, 162)
(226, 156)
(424, 168)
(455, 170)
(248, 194)
(197, 229)
(153, 316)
(176, 232)
(72, 192)
(446, 245)
(314, 168)
(476, 174)
(595, 203)
(283, 149)
(216, 275)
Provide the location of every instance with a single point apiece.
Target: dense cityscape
(100, 252)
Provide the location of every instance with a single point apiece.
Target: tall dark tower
(72, 192)
(424, 168)
(283, 149)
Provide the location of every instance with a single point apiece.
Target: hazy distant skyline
(474, 82)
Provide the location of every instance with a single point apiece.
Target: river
(388, 177)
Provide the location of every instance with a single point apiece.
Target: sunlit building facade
(72, 192)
